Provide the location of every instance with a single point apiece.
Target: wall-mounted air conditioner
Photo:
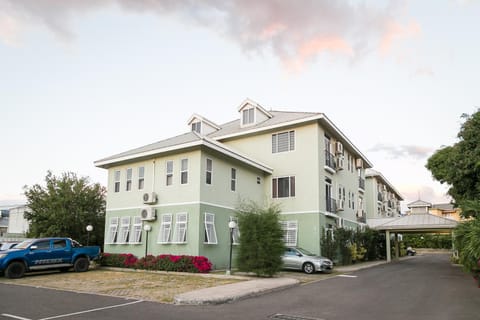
(341, 205)
(359, 163)
(148, 214)
(338, 147)
(340, 162)
(150, 198)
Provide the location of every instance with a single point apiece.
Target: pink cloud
(296, 32)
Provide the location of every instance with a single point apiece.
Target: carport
(414, 223)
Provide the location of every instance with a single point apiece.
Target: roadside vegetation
(458, 167)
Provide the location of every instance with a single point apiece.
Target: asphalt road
(423, 287)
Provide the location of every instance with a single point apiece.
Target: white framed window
(117, 180)
(283, 142)
(124, 230)
(180, 234)
(283, 187)
(169, 173)
(112, 230)
(128, 185)
(290, 230)
(248, 116)
(233, 179)
(184, 171)
(236, 231)
(136, 230)
(208, 174)
(210, 233)
(165, 228)
(197, 127)
(141, 178)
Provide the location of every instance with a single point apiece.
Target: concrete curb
(234, 291)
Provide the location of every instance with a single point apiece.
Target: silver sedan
(301, 259)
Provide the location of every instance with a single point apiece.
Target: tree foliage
(261, 241)
(64, 207)
(467, 242)
(458, 166)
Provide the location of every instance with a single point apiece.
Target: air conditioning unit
(150, 198)
(340, 223)
(341, 205)
(338, 147)
(340, 162)
(148, 214)
(359, 163)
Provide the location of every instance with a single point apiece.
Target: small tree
(64, 207)
(261, 240)
(467, 241)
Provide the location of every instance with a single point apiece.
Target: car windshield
(305, 252)
(23, 245)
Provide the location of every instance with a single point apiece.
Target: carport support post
(387, 240)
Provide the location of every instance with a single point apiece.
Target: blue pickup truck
(46, 253)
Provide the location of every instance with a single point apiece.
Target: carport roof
(414, 222)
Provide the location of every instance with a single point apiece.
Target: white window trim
(290, 144)
(290, 232)
(136, 230)
(210, 231)
(233, 179)
(182, 170)
(168, 173)
(165, 228)
(208, 171)
(180, 234)
(124, 230)
(289, 186)
(140, 178)
(117, 175)
(247, 111)
(128, 181)
(112, 230)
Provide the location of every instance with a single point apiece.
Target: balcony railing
(330, 160)
(361, 183)
(331, 205)
(380, 197)
(361, 216)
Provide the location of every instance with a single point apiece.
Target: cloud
(297, 32)
(404, 151)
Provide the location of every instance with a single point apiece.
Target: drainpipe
(387, 239)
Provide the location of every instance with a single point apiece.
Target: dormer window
(197, 127)
(248, 116)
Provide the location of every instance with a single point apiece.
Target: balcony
(331, 205)
(361, 183)
(330, 160)
(380, 197)
(361, 216)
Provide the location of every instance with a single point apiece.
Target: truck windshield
(23, 244)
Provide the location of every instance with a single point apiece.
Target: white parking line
(92, 310)
(74, 313)
(14, 317)
(346, 276)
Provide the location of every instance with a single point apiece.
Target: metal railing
(361, 183)
(330, 160)
(331, 205)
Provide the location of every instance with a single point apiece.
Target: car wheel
(308, 268)
(81, 264)
(15, 270)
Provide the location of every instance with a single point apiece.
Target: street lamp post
(89, 229)
(231, 225)
(147, 229)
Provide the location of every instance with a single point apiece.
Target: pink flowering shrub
(164, 262)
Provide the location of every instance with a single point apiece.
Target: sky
(81, 80)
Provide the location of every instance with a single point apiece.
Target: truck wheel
(15, 270)
(81, 264)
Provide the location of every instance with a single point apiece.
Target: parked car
(301, 259)
(46, 253)
(411, 251)
(8, 245)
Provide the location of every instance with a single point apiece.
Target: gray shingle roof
(414, 222)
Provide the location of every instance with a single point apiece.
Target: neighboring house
(445, 210)
(187, 188)
(17, 224)
(383, 200)
(4, 217)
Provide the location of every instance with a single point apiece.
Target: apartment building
(383, 200)
(187, 188)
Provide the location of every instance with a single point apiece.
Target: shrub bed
(163, 262)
